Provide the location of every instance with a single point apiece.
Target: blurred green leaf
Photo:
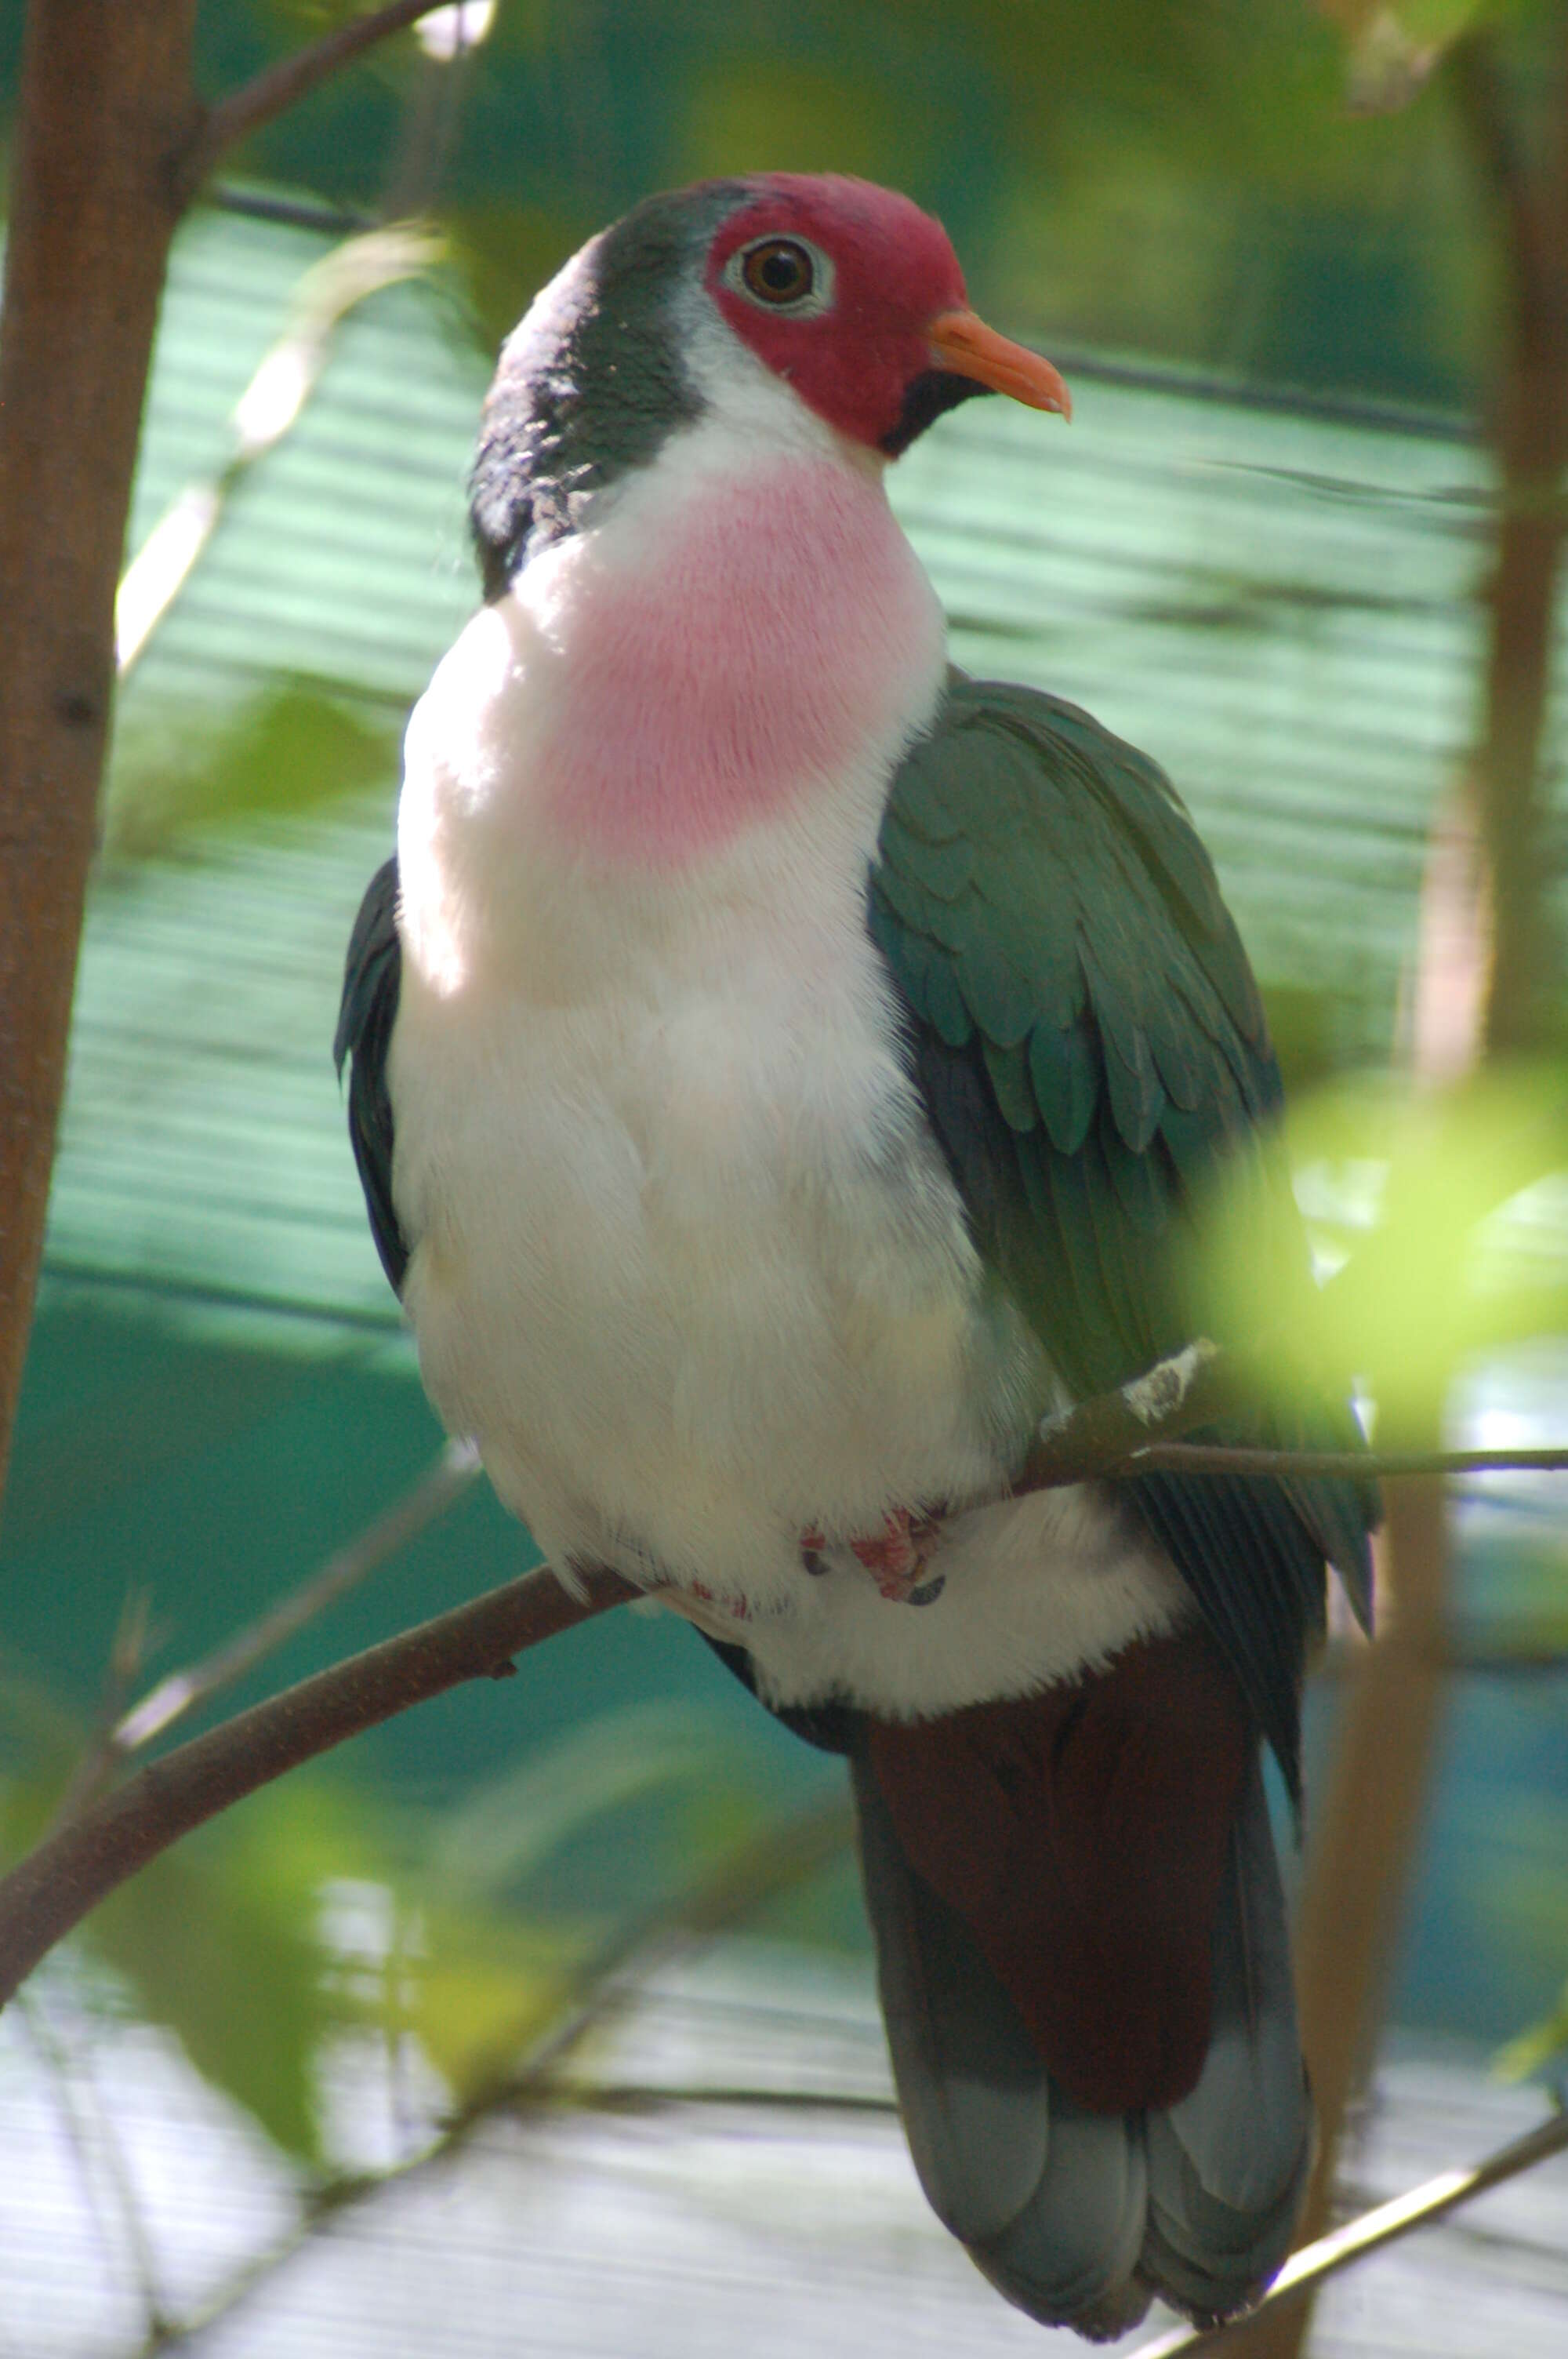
(288, 751)
(482, 1989)
(1542, 2045)
(219, 1941)
(1433, 1280)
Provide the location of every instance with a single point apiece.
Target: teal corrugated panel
(1282, 609)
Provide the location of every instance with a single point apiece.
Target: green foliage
(1542, 2047)
(288, 751)
(503, 255)
(233, 1940)
(1438, 1273)
(219, 1940)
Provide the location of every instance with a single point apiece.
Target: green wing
(1090, 1046)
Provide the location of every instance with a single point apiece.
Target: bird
(782, 1072)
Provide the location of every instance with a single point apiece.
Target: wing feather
(1091, 1050)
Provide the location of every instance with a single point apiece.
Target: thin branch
(453, 1474)
(89, 2129)
(53, 1888)
(665, 2096)
(124, 1668)
(1397, 2218)
(1133, 1432)
(282, 86)
(1194, 1386)
(1386, 1465)
(295, 212)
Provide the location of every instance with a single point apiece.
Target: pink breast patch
(711, 673)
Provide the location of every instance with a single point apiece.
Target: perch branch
(1386, 1465)
(53, 1888)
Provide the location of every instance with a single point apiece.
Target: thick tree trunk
(107, 116)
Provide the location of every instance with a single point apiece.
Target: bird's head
(845, 294)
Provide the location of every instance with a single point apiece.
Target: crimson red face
(855, 298)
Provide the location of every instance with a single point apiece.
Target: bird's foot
(896, 1558)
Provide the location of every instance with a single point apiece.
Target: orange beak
(964, 344)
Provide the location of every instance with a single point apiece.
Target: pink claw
(897, 1557)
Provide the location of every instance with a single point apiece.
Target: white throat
(737, 650)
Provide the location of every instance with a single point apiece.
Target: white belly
(689, 1267)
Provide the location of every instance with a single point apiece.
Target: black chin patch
(926, 398)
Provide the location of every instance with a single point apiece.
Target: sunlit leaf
(1434, 1278)
(486, 1990)
(291, 751)
(220, 1941)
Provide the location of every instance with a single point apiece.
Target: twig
(1386, 1465)
(661, 2096)
(454, 1472)
(1189, 1389)
(281, 86)
(295, 212)
(87, 2126)
(54, 1887)
(781, 1856)
(125, 1655)
(1133, 1432)
(271, 405)
(1397, 2218)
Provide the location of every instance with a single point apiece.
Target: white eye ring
(816, 299)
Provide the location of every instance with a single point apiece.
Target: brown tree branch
(54, 1887)
(1529, 433)
(281, 86)
(1192, 1387)
(105, 108)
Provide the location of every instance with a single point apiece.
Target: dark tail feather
(1051, 2202)
(1227, 2165)
(1077, 2217)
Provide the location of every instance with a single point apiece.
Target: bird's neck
(741, 645)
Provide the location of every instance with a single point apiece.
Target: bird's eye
(778, 271)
